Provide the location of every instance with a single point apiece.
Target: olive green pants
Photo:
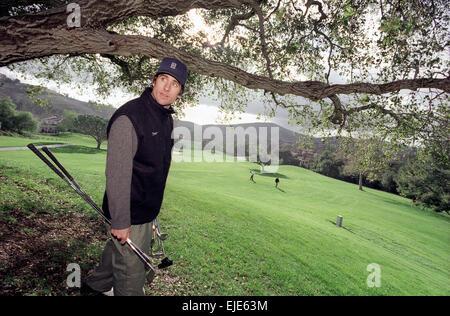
(120, 268)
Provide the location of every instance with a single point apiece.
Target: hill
(284, 241)
(289, 141)
(55, 103)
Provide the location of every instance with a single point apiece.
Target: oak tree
(92, 125)
(333, 65)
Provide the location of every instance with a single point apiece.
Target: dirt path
(39, 147)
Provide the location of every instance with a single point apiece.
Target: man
(138, 161)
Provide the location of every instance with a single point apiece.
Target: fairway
(251, 238)
(230, 236)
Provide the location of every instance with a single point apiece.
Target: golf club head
(166, 262)
(163, 236)
(150, 276)
(157, 255)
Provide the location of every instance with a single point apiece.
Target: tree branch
(234, 21)
(35, 43)
(262, 37)
(103, 13)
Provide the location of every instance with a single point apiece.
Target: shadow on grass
(384, 196)
(40, 235)
(41, 268)
(343, 227)
(47, 143)
(76, 149)
(34, 264)
(268, 174)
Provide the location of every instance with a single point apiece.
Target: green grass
(229, 236)
(43, 228)
(267, 241)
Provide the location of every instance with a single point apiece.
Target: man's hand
(121, 234)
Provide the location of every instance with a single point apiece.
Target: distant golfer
(276, 182)
(251, 176)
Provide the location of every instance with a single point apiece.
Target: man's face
(165, 89)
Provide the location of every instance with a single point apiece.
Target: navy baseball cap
(175, 68)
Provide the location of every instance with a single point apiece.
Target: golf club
(159, 253)
(75, 186)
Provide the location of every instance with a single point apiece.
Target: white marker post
(339, 221)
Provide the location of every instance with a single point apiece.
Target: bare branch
(319, 5)
(262, 37)
(274, 10)
(122, 64)
(234, 21)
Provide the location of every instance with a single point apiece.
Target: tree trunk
(361, 181)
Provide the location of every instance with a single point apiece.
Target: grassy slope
(275, 242)
(229, 236)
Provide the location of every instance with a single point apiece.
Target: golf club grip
(52, 157)
(48, 163)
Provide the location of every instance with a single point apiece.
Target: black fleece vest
(153, 125)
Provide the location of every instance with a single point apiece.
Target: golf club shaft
(60, 166)
(72, 183)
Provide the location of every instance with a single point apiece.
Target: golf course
(227, 235)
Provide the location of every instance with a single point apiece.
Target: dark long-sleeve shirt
(122, 147)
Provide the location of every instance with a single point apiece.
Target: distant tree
(262, 164)
(6, 113)
(15, 121)
(286, 158)
(426, 183)
(426, 177)
(94, 126)
(328, 165)
(24, 122)
(367, 158)
(68, 122)
(388, 176)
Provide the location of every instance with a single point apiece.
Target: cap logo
(173, 66)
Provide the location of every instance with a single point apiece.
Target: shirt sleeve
(122, 146)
